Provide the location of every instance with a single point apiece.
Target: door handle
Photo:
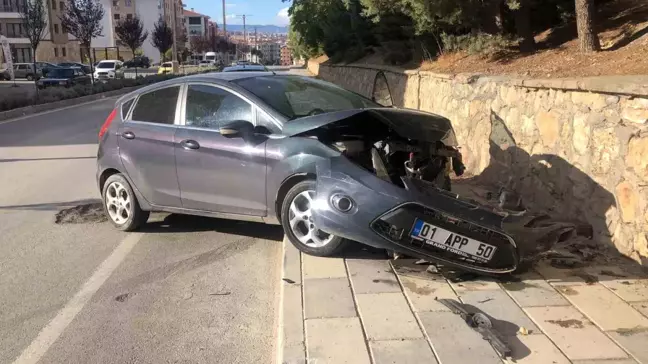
(128, 135)
(190, 144)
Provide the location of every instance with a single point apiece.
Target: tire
(30, 77)
(121, 205)
(321, 244)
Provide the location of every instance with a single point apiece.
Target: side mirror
(237, 129)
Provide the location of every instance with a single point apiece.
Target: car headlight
(62, 82)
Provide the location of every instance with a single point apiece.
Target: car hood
(408, 123)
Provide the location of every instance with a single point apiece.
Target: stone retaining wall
(575, 147)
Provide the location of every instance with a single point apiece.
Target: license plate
(452, 242)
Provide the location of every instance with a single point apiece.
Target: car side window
(212, 107)
(157, 106)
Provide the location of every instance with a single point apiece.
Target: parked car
(84, 67)
(44, 67)
(325, 163)
(140, 61)
(107, 70)
(245, 68)
(23, 70)
(65, 77)
(206, 63)
(166, 67)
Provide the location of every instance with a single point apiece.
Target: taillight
(106, 123)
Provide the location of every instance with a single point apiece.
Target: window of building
(53, 5)
(212, 107)
(64, 51)
(129, 3)
(55, 51)
(116, 16)
(20, 55)
(194, 20)
(129, 16)
(56, 29)
(115, 2)
(61, 5)
(157, 106)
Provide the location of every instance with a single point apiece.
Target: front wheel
(30, 77)
(121, 205)
(297, 222)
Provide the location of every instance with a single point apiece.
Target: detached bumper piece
(396, 226)
(480, 323)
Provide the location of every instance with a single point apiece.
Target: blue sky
(261, 12)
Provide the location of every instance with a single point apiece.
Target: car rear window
(157, 106)
(167, 65)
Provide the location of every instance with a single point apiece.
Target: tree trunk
(492, 17)
(35, 70)
(523, 27)
(587, 37)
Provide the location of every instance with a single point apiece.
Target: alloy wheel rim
(300, 218)
(118, 203)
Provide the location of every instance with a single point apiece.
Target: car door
(218, 173)
(147, 146)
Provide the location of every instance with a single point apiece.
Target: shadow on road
(176, 223)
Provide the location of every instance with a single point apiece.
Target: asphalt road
(183, 290)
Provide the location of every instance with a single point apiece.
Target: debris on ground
(288, 280)
(480, 323)
(82, 214)
(422, 262)
(432, 269)
(524, 331)
(226, 293)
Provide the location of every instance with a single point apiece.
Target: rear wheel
(30, 77)
(121, 205)
(297, 222)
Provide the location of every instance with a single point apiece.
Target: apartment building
(271, 52)
(286, 56)
(149, 12)
(56, 46)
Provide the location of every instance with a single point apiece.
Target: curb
(50, 106)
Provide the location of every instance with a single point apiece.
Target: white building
(271, 52)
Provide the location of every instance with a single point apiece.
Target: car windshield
(109, 65)
(244, 69)
(295, 96)
(60, 73)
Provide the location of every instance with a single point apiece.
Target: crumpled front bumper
(383, 214)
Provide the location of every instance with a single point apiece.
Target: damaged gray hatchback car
(329, 165)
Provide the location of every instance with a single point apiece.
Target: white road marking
(50, 333)
(59, 109)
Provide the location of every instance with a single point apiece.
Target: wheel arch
(286, 185)
(105, 175)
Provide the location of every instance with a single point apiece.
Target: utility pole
(224, 22)
(256, 45)
(245, 31)
(174, 56)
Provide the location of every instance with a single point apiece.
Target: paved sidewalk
(367, 309)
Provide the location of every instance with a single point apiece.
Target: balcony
(10, 6)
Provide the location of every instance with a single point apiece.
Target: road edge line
(53, 330)
(280, 306)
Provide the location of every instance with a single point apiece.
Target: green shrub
(480, 43)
